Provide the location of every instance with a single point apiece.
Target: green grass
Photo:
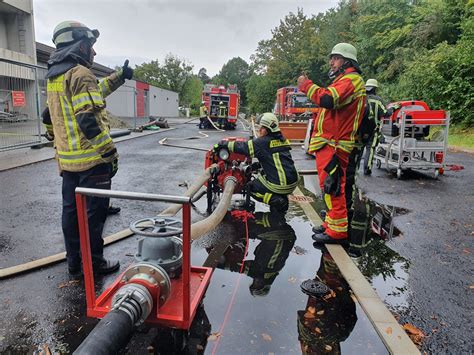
(461, 137)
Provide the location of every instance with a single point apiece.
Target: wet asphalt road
(430, 285)
(438, 242)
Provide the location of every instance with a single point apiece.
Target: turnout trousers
(98, 177)
(335, 222)
(370, 151)
(262, 194)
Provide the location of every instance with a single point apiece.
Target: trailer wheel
(378, 163)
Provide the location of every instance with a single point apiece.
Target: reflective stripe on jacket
(342, 104)
(203, 111)
(77, 109)
(377, 108)
(273, 153)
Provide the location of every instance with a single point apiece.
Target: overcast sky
(206, 33)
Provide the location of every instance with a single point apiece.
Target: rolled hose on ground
(200, 228)
(111, 334)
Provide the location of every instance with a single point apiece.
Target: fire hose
(200, 228)
(132, 305)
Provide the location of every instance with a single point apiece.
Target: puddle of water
(372, 224)
(254, 302)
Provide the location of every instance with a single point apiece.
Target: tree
(192, 93)
(202, 75)
(172, 75)
(261, 93)
(235, 71)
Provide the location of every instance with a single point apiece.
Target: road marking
(385, 324)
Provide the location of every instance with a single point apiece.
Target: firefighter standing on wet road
(377, 111)
(202, 115)
(77, 119)
(335, 135)
(222, 116)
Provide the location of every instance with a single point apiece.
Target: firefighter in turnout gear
(203, 116)
(77, 119)
(335, 135)
(279, 177)
(222, 116)
(377, 111)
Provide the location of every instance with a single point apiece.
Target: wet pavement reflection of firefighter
(329, 320)
(277, 240)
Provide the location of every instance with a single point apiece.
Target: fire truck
(212, 95)
(292, 105)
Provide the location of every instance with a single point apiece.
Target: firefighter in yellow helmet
(77, 119)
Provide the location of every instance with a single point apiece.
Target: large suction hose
(110, 335)
(200, 181)
(131, 306)
(202, 227)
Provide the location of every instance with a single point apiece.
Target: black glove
(332, 182)
(219, 146)
(256, 166)
(127, 72)
(114, 168)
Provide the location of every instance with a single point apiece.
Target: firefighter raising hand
(302, 78)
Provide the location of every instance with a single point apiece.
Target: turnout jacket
(342, 107)
(377, 109)
(78, 118)
(273, 153)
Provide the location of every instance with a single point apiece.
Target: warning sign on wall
(18, 98)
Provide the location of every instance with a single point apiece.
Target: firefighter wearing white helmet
(203, 115)
(334, 140)
(77, 119)
(376, 113)
(272, 150)
(222, 116)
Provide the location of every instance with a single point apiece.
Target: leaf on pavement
(266, 337)
(415, 334)
(69, 283)
(292, 279)
(389, 330)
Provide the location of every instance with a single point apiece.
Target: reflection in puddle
(276, 239)
(266, 313)
(371, 226)
(327, 321)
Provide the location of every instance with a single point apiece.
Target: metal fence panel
(20, 124)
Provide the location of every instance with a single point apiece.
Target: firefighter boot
(103, 266)
(318, 229)
(75, 269)
(113, 210)
(323, 238)
(279, 203)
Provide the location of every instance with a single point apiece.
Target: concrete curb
(384, 323)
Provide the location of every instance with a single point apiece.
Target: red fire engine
(292, 105)
(213, 95)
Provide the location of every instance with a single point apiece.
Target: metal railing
(20, 104)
